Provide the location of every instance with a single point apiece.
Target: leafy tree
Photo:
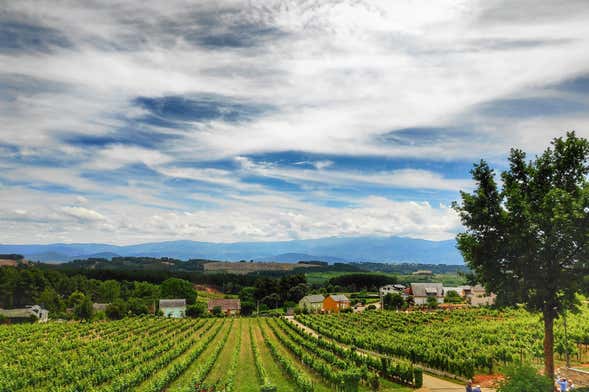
(247, 308)
(528, 242)
(297, 292)
(50, 300)
(393, 301)
(524, 378)
(116, 310)
(432, 302)
(146, 291)
(75, 299)
(217, 311)
(109, 291)
(137, 306)
(83, 309)
(199, 309)
(178, 288)
(247, 294)
(272, 301)
(452, 297)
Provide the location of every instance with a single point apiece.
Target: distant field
(450, 279)
(158, 354)
(6, 262)
(247, 267)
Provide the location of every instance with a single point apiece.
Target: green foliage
(431, 302)
(247, 308)
(178, 288)
(137, 306)
(525, 378)
(109, 291)
(529, 241)
(116, 310)
(393, 301)
(359, 282)
(460, 342)
(217, 311)
(452, 297)
(51, 301)
(83, 308)
(196, 310)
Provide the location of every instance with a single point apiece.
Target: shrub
(196, 310)
(525, 378)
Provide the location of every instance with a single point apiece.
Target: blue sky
(272, 120)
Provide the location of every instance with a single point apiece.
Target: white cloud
(337, 76)
(83, 214)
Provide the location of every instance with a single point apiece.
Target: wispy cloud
(173, 119)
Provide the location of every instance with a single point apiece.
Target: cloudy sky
(134, 121)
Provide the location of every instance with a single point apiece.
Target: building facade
(312, 303)
(229, 306)
(335, 303)
(175, 308)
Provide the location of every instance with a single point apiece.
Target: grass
(275, 373)
(247, 373)
(222, 364)
(185, 377)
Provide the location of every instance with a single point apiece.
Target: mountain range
(333, 249)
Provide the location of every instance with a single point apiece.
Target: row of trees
(57, 292)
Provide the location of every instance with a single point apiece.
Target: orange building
(335, 303)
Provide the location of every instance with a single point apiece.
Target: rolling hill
(336, 249)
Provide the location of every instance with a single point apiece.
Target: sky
(134, 121)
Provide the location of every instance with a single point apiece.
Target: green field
(460, 342)
(157, 354)
(449, 279)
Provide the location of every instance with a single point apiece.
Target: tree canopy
(529, 240)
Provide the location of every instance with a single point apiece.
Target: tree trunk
(548, 342)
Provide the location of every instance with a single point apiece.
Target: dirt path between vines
(430, 383)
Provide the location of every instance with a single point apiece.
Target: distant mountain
(335, 249)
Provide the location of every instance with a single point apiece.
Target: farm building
(421, 291)
(26, 314)
(335, 303)
(392, 288)
(477, 296)
(312, 303)
(99, 307)
(231, 306)
(175, 308)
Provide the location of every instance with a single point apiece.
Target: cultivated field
(460, 342)
(246, 268)
(151, 354)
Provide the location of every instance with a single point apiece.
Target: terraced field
(156, 354)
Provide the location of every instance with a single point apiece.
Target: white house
(313, 303)
(421, 292)
(477, 296)
(41, 314)
(175, 308)
(391, 289)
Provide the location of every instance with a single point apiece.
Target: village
(417, 296)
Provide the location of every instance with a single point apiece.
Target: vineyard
(156, 354)
(461, 342)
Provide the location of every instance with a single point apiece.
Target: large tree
(529, 240)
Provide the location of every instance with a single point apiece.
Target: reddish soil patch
(208, 289)
(487, 380)
(6, 262)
